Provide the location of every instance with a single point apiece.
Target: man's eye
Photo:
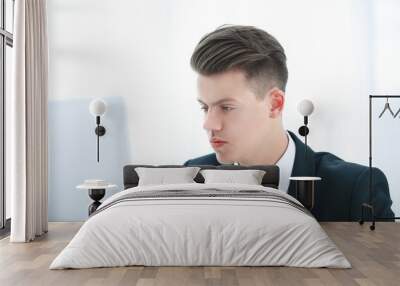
(227, 108)
(204, 108)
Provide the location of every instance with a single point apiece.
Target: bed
(201, 224)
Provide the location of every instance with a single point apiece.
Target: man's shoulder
(328, 162)
(347, 184)
(331, 166)
(209, 159)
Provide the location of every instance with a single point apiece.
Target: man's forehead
(230, 86)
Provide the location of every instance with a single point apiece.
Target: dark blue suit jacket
(343, 188)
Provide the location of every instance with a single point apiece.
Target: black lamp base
(305, 190)
(305, 193)
(96, 195)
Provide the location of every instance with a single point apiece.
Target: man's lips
(217, 143)
(214, 140)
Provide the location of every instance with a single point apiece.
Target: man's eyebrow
(218, 101)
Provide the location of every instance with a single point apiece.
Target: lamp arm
(98, 124)
(98, 147)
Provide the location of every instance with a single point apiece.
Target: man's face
(237, 122)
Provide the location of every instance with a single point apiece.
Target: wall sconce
(305, 185)
(97, 108)
(305, 107)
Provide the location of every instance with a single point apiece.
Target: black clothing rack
(370, 205)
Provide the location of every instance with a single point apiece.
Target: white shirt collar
(285, 164)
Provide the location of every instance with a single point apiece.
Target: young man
(242, 76)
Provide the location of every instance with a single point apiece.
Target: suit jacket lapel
(301, 166)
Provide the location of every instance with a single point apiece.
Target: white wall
(140, 50)
(385, 76)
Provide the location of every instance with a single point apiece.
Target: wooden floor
(374, 255)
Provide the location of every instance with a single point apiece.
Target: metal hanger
(387, 107)
(398, 111)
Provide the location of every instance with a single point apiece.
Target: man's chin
(223, 159)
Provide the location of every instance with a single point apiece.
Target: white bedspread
(186, 230)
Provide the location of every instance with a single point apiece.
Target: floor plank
(374, 255)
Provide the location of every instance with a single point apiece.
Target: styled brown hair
(249, 49)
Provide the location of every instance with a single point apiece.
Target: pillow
(249, 177)
(162, 176)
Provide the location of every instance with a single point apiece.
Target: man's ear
(276, 98)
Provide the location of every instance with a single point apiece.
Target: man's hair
(249, 49)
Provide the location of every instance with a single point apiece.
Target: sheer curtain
(28, 122)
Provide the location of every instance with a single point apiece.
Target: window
(6, 44)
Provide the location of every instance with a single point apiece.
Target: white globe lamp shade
(305, 107)
(97, 107)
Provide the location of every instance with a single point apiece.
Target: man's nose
(212, 122)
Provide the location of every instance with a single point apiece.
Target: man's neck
(269, 152)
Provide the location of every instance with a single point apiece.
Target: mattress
(201, 225)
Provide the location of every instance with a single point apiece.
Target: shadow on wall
(73, 153)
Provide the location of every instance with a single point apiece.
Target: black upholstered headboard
(270, 179)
